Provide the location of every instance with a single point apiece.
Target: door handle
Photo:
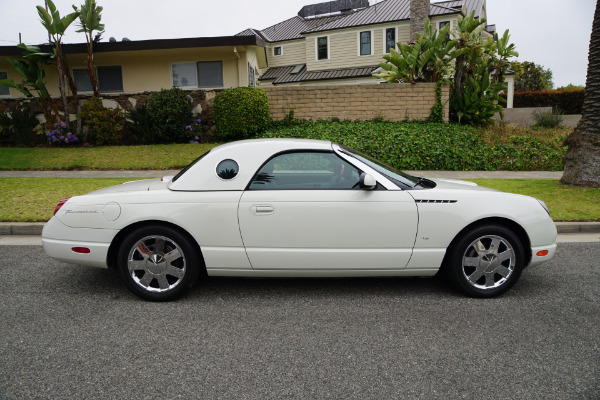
(262, 210)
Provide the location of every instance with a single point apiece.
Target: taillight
(60, 204)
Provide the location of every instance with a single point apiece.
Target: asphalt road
(76, 332)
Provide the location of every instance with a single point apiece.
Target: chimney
(419, 12)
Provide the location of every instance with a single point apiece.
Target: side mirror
(367, 181)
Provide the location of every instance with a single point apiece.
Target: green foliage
(436, 114)
(570, 86)
(141, 124)
(89, 21)
(170, 111)
(480, 72)
(432, 146)
(427, 60)
(102, 125)
(17, 126)
(533, 77)
(241, 113)
(548, 119)
(52, 21)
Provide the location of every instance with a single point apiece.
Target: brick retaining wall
(392, 102)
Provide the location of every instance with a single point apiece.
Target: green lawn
(34, 199)
(168, 156)
(566, 203)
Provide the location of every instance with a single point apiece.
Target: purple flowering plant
(195, 130)
(61, 135)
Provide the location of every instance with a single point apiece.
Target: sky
(551, 33)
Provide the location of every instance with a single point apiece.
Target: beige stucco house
(151, 65)
(343, 42)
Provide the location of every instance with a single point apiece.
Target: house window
(199, 74)
(442, 25)
(365, 43)
(277, 51)
(184, 75)
(390, 39)
(251, 76)
(322, 48)
(210, 74)
(110, 79)
(4, 90)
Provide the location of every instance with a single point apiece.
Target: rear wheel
(486, 262)
(158, 263)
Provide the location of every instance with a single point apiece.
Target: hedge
(568, 101)
(432, 146)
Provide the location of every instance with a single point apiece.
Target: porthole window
(227, 169)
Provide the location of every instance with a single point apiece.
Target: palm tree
(89, 20)
(56, 27)
(582, 161)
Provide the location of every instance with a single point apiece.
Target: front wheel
(158, 263)
(486, 262)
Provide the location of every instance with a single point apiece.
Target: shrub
(548, 119)
(241, 113)
(101, 125)
(141, 124)
(435, 146)
(17, 126)
(569, 101)
(170, 111)
(61, 135)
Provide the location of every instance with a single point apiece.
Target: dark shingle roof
(283, 74)
(385, 11)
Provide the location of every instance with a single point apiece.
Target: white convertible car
(300, 208)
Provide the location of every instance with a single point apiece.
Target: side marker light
(542, 253)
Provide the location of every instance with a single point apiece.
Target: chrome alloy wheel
(488, 262)
(156, 264)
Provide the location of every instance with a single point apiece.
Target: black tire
(486, 261)
(158, 263)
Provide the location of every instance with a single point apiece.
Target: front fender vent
(436, 201)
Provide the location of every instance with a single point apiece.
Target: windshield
(389, 172)
(183, 171)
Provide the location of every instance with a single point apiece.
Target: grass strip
(168, 156)
(34, 199)
(566, 203)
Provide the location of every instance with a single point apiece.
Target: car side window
(306, 171)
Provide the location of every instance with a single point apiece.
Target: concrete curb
(35, 228)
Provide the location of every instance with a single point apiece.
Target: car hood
(458, 184)
(134, 186)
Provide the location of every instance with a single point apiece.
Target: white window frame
(328, 48)
(370, 42)
(5, 96)
(277, 55)
(385, 49)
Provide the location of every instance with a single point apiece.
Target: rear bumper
(59, 240)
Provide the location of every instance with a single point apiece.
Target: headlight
(544, 205)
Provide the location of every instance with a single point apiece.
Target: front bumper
(536, 260)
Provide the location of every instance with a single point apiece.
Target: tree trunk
(90, 65)
(61, 82)
(419, 12)
(582, 161)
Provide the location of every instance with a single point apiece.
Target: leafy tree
(56, 27)
(429, 59)
(533, 77)
(582, 161)
(31, 70)
(89, 20)
(481, 67)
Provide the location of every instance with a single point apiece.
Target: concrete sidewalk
(160, 173)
